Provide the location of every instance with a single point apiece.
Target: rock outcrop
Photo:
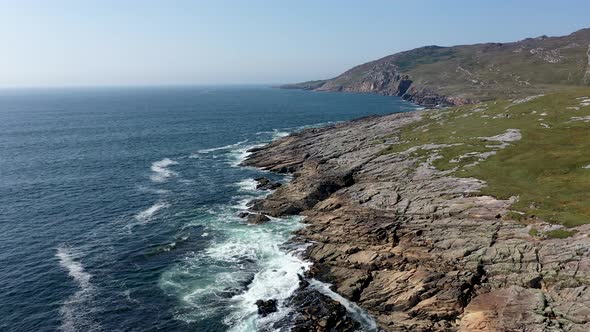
(419, 249)
(266, 184)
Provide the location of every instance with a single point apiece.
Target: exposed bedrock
(417, 248)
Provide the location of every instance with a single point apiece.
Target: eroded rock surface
(420, 250)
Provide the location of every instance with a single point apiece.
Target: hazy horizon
(200, 43)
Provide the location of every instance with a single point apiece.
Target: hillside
(434, 75)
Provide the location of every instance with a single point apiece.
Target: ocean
(118, 206)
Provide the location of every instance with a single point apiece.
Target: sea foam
(160, 170)
(67, 259)
(237, 156)
(225, 147)
(76, 311)
(147, 214)
(247, 185)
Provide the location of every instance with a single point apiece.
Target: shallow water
(118, 206)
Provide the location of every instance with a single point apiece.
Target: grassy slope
(489, 71)
(476, 72)
(545, 168)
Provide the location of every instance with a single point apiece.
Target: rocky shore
(418, 249)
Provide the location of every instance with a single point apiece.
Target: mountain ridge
(463, 74)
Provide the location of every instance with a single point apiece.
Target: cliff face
(418, 247)
(457, 75)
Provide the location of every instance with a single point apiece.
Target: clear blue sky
(126, 42)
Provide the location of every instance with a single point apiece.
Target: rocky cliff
(456, 75)
(421, 247)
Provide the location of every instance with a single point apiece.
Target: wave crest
(160, 170)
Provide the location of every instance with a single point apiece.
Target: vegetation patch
(560, 233)
(547, 167)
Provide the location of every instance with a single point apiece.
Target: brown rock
(257, 218)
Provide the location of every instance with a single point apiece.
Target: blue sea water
(118, 205)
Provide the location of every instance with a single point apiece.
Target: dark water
(117, 206)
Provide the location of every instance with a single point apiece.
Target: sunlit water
(118, 206)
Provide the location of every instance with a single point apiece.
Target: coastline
(313, 305)
(416, 248)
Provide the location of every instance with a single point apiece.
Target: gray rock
(417, 248)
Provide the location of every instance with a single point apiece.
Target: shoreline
(313, 305)
(415, 247)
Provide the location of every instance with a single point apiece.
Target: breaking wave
(160, 170)
(247, 185)
(237, 156)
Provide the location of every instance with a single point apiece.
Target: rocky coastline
(418, 249)
(387, 83)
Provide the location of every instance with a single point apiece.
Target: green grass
(533, 232)
(545, 168)
(560, 233)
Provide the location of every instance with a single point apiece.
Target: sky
(176, 42)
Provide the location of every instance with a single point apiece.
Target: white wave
(225, 147)
(232, 252)
(160, 170)
(278, 134)
(356, 312)
(76, 311)
(247, 185)
(239, 155)
(147, 214)
(208, 281)
(242, 204)
(277, 280)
